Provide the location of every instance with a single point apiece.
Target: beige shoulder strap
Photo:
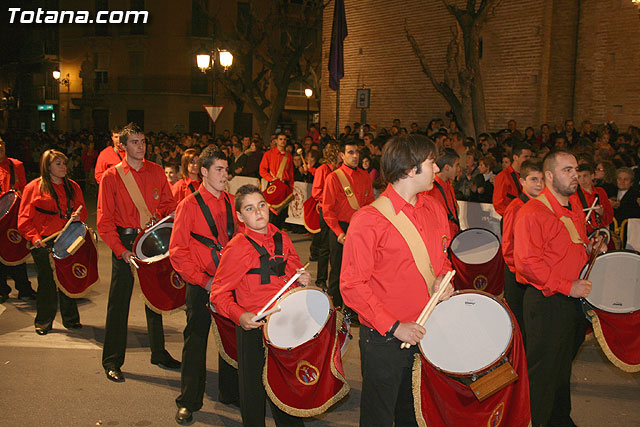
(568, 224)
(351, 197)
(283, 164)
(135, 194)
(411, 235)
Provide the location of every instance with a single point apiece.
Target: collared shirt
(271, 163)
(34, 225)
(450, 204)
(181, 189)
(238, 258)
(18, 175)
(603, 200)
(335, 206)
(505, 189)
(543, 252)
(115, 207)
(318, 181)
(379, 277)
(507, 232)
(106, 159)
(189, 257)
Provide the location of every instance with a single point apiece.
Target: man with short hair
(442, 189)
(507, 183)
(110, 155)
(277, 165)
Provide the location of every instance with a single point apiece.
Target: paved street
(57, 379)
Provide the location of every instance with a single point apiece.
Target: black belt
(127, 236)
(127, 230)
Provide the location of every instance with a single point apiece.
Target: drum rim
(265, 327)
(608, 233)
(140, 238)
(583, 271)
(84, 236)
(16, 197)
(495, 362)
(475, 228)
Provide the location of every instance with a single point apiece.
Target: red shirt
(181, 190)
(544, 254)
(107, 158)
(505, 189)
(189, 257)
(89, 159)
(379, 278)
(318, 181)
(239, 257)
(335, 206)
(115, 207)
(18, 174)
(507, 232)
(605, 219)
(271, 163)
(32, 224)
(449, 202)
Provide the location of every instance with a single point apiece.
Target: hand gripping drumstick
(280, 292)
(431, 305)
(57, 234)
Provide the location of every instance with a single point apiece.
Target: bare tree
(462, 87)
(271, 52)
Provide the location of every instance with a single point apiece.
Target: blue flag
(336, 53)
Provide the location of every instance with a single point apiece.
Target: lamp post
(308, 93)
(206, 60)
(65, 82)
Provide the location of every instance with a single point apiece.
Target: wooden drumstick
(299, 151)
(284, 288)
(77, 212)
(594, 256)
(431, 304)
(259, 317)
(132, 261)
(591, 209)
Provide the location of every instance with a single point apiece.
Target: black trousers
(514, 294)
(386, 381)
(49, 295)
(19, 275)
(279, 219)
(115, 339)
(335, 259)
(194, 355)
(323, 252)
(252, 392)
(555, 328)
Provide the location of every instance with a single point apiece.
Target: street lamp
(308, 93)
(65, 82)
(205, 60)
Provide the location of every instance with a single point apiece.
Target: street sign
(362, 98)
(45, 107)
(214, 111)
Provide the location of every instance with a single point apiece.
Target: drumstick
(591, 209)
(67, 224)
(132, 261)
(284, 288)
(426, 312)
(57, 234)
(259, 317)
(299, 151)
(592, 261)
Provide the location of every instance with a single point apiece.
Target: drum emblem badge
(14, 236)
(444, 244)
(480, 282)
(496, 416)
(306, 373)
(176, 281)
(79, 270)
(156, 194)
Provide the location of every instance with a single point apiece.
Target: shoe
(76, 325)
(225, 401)
(115, 375)
(42, 331)
(3, 298)
(27, 296)
(169, 363)
(184, 416)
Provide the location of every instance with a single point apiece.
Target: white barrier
(633, 234)
(238, 181)
(479, 215)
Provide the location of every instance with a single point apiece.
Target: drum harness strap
(55, 197)
(524, 197)
(214, 245)
(348, 192)
(585, 205)
(450, 214)
(269, 267)
(514, 175)
(192, 188)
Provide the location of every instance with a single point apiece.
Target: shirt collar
(259, 237)
(126, 167)
(398, 201)
(558, 209)
(206, 194)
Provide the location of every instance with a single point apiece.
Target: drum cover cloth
(617, 334)
(75, 274)
(477, 258)
(311, 215)
(13, 247)
(163, 289)
(224, 332)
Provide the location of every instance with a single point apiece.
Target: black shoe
(27, 296)
(76, 325)
(225, 401)
(3, 298)
(42, 331)
(184, 416)
(168, 363)
(115, 375)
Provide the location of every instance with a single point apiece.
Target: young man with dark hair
(602, 215)
(111, 155)
(119, 221)
(442, 189)
(507, 184)
(382, 282)
(277, 165)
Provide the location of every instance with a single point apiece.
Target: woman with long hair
(605, 177)
(190, 175)
(47, 204)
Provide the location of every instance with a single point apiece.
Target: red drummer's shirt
(106, 159)
(449, 202)
(115, 207)
(319, 180)
(231, 278)
(379, 278)
(189, 257)
(270, 164)
(603, 200)
(181, 188)
(335, 206)
(34, 224)
(505, 189)
(19, 177)
(507, 232)
(543, 252)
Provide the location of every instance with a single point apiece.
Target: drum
(13, 248)
(608, 240)
(477, 258)
(616, 282)
(311, 215)
(69, 241)
(304, 313)
(152, 244)
(278, 194)
(468, 334)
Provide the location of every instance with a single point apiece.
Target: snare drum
(477, 259)
(152, 244)
(468, 334)
(13, 247)
(70, 240)
(616, 282)
(304, 313)
(608, 240)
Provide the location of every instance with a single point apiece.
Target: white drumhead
(475, 246)
(467, 333)
(153, 246)
(303, 314)
(616, 282)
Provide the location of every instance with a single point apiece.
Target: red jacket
(271, 163)
(318, 181)
(450, 204)
(505, 189)
(19, 177)
(107, 158)
(335, 206)
(607, 216)
(507, 232)
(181, 189)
